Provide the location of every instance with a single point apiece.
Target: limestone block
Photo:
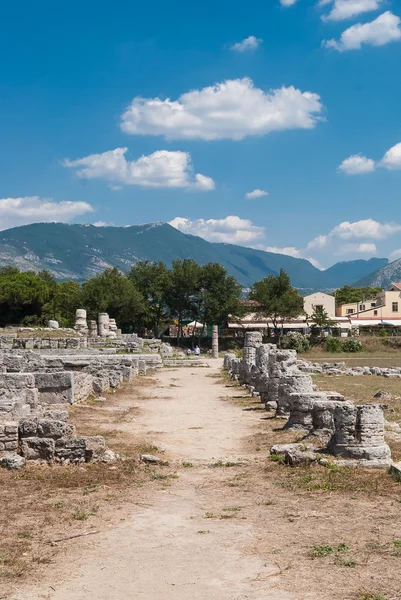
(115, 378)
(93, 329)
(227, 360)
(50, 428)
(142, 369)
(12, 461)
(100, 384)
(296, 458)
(282, 362)
(300, 383)
(359, 433)
(55, 388)
(52, 324)
(95, 447)
(80, 320)
(34, 448)
(127, 373)
(8, 436)
(73, 450)
(103, 324)
(28, 427)
(253, 339)
(301, 411)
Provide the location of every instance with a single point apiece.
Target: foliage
(114, 293)
(66, 298)
(152, 281)
(333, 344)
(21, 294)
(295, 340)
(348, 294)
(278, 300)
(320, 318)
(352, 345)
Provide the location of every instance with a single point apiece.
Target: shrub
(295, 341)
(333, 345)
(352, 345)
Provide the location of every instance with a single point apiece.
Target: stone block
(12, 461)
(95, 447)
(51, 428)
(55, 388)
(73, 450)
(35, 448)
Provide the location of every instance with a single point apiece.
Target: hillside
(383, 277)
(80, 251)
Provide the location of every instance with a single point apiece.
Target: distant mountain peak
(80, 251)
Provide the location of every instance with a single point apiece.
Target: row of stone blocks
(347, 431)
(49, 438)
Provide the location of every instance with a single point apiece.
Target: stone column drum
(103, 324)
(359, 434)
(215, 342)
(291, 384)
(92, 329)
(80, 320)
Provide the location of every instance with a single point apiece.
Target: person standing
(197, 351)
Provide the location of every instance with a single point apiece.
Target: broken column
(289, 384)
(281, 363)
(103, 324)
(253, 339)
(359, 434)
(93, 329)
(80, 321)
(215, 342)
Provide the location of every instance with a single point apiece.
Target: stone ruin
(354, 435)
(40, 379)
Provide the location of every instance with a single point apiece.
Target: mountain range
(383, 277)
(78, 252)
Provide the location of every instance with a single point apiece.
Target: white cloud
(346, 9)
(288, 251)
(392, 158)
(368, 248)
(230, 230)
(33, 209)
(247, 45)
(367, 228)
(288, 2)
(395, 254)
(319, 242)
(158, 170)
(103, 224)
(357, 165)
(381, 31)
(256, 194)
(232, 109)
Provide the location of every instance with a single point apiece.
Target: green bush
(352, 345)
(295, 341)
(333, 345)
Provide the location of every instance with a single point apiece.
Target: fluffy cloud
(288, 251)
(33, 209)
(395, 254)
(288, 2)
(160, 169)
(366, 228)
(232, 109)
(392, 158)
(346, 9)
(381, 31)
(231, 230)
(357, 165)
(247, 45)
(256, 194)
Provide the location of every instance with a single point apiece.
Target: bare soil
(219, 519)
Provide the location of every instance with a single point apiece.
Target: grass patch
(371, 596)
(320, 551)
(221, 463)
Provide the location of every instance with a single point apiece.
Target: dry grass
(42, 502)
(359, 359)
(47, 335)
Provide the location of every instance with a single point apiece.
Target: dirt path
(191, 539)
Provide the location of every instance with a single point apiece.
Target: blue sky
(126, 113)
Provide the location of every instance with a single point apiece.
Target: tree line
(145, 299)
(150, 296)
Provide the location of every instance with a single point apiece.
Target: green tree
(348, 294)
(278, 300)
(152, 281)
(114, 293)
(21, 295)
(183, 291)
(219, 295)
(66, 298)
(320, 319)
